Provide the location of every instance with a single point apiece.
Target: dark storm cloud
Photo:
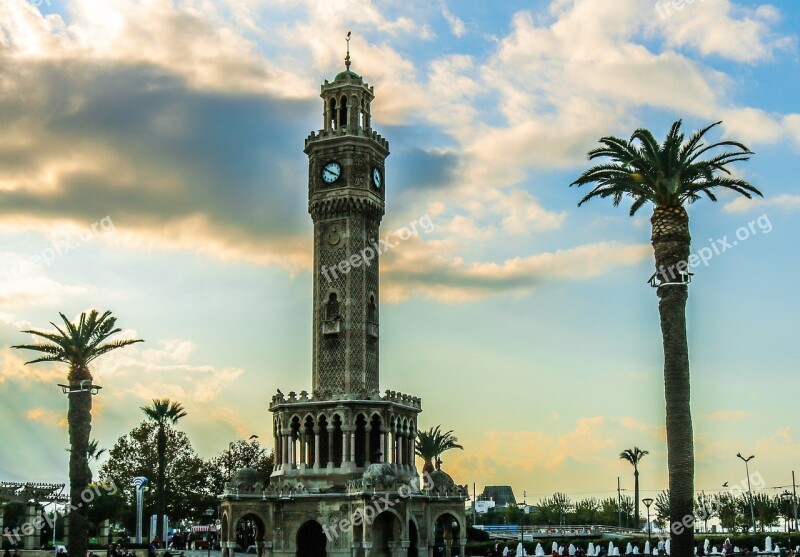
(143, 143)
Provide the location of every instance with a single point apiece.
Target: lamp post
(647, 502)
(209, 513)
(749, 492)
(522, 518)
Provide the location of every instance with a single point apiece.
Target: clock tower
(346, 200)
(344, 447)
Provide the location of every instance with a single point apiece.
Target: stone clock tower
(346, 196)
(344, 447)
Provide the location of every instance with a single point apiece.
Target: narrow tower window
(372, 310)
(343, 111)
(332, 307)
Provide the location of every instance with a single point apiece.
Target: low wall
(98, 552)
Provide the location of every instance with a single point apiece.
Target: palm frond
(669, 174)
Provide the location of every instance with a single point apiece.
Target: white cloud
(457, 25)
(719, 27)
(422, 269)
(786, 202)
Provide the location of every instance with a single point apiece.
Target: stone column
(31, 540)
(105, 528)
(404, 545)
(268, 549)
(367, 548)
(302, 439)
(330, 446)
(462, 543)
(66, 530)
(278, 449)
(316, 447)
(367, 431)
(232, 548)
(354, 547)
(259, 549)
(345, 447)
(398, 448)
(353, 447)
(285, 445)
(384, 444)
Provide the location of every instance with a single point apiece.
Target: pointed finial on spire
(347, 58)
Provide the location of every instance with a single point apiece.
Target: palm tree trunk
(636, 497)
(79, 418)
(161, 494)
(671, 242)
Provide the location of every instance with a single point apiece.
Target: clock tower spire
(346, 194)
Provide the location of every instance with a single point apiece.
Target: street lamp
(522, 518)
(209, 513)
(647, 502)
(750, 493)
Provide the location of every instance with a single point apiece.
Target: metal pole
(619, 503)
(752, 514)
(750, 493)
(794, 500)
(474, 510)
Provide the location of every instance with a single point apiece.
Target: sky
(151, 163)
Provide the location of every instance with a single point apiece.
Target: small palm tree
(668, 176)
(77, 345)
(432, 443)
(162, 411)
(634, 456)
(93, 452)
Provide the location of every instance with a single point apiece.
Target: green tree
(661, 506)
(586, 511)
(77, 345)
(609, 512)
(554, 510)
(432, 443)
(634, 456)
(729, 510)
(668, 176)
(767, 510)
(162, 412)
(188, 493)
(240, 453)
(705, 508)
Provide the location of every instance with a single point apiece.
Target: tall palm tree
(668, 176)
(432, 443)
(634, 456)
(77, 345)
(162, 411)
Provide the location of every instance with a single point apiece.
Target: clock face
(377, 179)
(331, 172)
